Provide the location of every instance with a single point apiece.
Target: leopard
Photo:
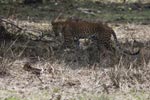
(73, 30)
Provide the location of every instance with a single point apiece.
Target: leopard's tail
(120, 48)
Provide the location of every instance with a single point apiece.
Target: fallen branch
(27, 31)
(88, 11)
(10, 22)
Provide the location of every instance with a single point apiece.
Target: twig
(2, 19)
(9, 22)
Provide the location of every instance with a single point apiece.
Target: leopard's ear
(58, 17)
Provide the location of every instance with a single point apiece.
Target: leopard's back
(76, 29)
(73, 30)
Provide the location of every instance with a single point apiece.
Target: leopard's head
(57, 27)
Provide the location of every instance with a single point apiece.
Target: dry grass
(68, 75)
(76, 74)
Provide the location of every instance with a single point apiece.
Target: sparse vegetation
(67, 75)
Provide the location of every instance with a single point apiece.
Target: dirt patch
(69, 75)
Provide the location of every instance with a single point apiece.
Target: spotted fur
(76, 29)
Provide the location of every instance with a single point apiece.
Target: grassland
(95, 10)
(64, 76)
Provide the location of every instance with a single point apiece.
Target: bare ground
(114, 77)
